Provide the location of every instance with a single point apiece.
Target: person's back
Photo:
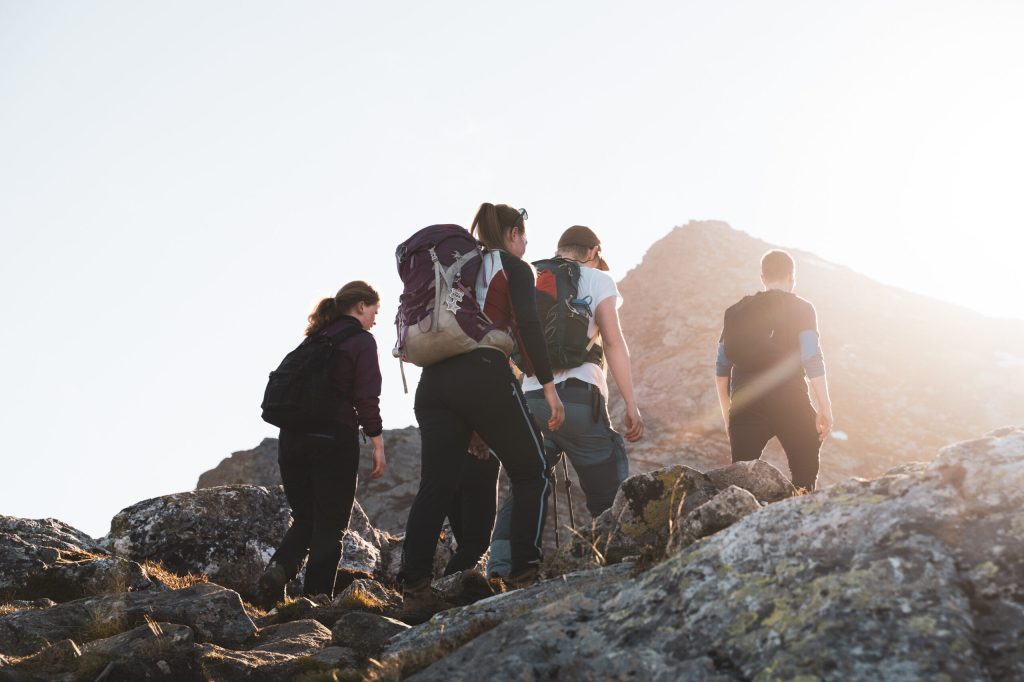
(596, 450)
(769, 343)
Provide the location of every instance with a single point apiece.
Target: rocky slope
(721, 575)
(906, 372)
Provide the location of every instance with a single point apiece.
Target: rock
(645, 508)
(909, 576)
(218, 663)
(247, 467)
(47, 558)
(446, 631)
(366, 633)
(153, 640)
(386, 500)
(391, 556)
(760, 478)
(336, 657)
(720, 512)
(297, 638)
(227, 533)
(213, 612)
(368, 595)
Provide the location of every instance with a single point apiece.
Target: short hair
(777, 265)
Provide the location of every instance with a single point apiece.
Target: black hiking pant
(474, 392)
(472, 512)
(319, 475)
(790, 417)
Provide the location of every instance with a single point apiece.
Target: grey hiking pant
(597, 453)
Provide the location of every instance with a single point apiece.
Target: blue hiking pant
(596, 451)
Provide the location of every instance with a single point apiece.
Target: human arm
(379, 463)
(617, 354)
(814, 366)
(366, 385)
(723, 372)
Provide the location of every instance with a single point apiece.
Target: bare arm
(823, 420)
(617, 353)
(724, 401)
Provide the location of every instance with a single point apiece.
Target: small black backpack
(748, 333)
(564, 315)
(301, 394)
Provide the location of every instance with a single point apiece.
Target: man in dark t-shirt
(769, 342)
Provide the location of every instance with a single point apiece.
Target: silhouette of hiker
(769, 342)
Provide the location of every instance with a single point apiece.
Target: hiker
(769, 342)
(476, 391)
(594, 448)
(319, 463)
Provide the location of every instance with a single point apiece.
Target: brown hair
(777, 265)
(330, 309)
(492, 223)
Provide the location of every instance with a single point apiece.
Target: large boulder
(910, 576)
(718, 513)
(213, 612)
(646, 508)
(411, 649)
(47, 558)
(228, 534)
(757, 477)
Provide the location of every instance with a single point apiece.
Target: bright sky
(181, 181)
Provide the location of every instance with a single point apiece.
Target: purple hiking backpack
(438, 313)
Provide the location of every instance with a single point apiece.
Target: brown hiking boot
(420, 602)
(474, 586)
(526, 576)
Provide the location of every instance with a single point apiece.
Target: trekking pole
(568, 493)
(554, 501)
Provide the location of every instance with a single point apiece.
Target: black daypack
(300, 393)
(564, 315)
(749, 333)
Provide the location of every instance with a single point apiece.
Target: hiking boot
(420, 602)
(474, 586)
(270, 587)
(524, 577)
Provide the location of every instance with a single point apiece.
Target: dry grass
(156, 571)
(8, 608)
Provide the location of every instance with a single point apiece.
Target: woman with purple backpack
(476, 392)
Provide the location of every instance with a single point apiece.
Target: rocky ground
(725, 574)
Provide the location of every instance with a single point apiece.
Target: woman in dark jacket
(319, 466)
(477, 392)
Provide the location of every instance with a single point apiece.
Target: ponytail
(492, 224)
(342, 303)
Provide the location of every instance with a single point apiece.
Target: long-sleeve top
(508, 295)
(357, 374)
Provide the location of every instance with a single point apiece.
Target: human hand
(478, 448)
(379, 463)
(824, 422)
(555, 405)
(634, 424)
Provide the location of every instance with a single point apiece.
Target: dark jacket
(357, 372)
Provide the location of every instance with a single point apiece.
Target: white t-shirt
(599, 286)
